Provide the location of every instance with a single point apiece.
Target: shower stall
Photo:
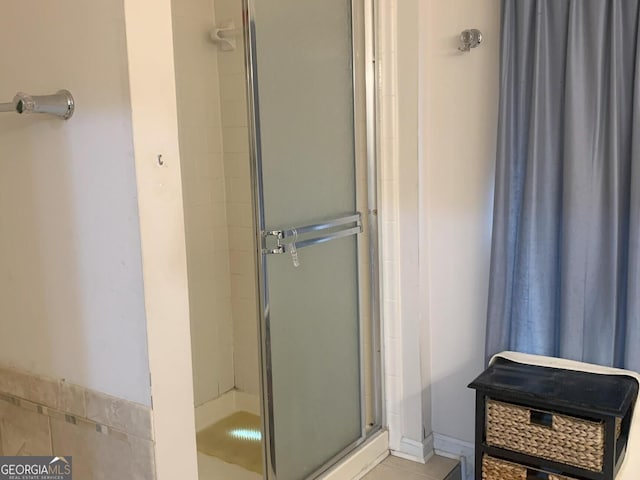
(277, 140)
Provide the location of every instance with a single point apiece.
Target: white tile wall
(389, 205)
(201, 146)
(238, 189)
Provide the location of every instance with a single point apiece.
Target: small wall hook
(470, 39)
(224, 36)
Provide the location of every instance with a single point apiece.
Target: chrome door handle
(302, 237)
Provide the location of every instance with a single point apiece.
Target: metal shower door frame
(365, 127)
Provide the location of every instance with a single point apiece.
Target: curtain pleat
(565, 267)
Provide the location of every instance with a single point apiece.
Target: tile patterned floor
(394, 468)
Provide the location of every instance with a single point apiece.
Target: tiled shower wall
(235, 137)
(203, 181)
(214, 149)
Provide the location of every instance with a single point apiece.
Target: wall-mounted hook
(224, 36)
(470, 39)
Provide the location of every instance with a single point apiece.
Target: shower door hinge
(272, 249)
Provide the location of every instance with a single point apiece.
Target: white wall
(438, 116)
(459, 102)
(71, 302)
(155, 132)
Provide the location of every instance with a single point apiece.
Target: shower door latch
(268, 247)
(283, 241)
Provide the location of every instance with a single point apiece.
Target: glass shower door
(302, 82)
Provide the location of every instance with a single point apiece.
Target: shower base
(229, 437)
(212, 468)
(236, 439)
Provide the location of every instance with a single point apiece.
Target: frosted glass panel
(314, 355)
(304, 81)
(305, 89)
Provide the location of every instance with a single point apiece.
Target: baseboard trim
(419, 452)
(450, 447)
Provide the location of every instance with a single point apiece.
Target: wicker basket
(568, 440)
(495, 469)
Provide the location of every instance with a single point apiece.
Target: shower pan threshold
(212, 468)
(353, 467)
(360, 462)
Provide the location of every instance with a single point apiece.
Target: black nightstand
(551, 423)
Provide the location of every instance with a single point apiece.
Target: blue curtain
(565, 260)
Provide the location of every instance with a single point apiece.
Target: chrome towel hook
(470, 39)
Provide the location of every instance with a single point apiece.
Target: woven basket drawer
(568, 440)
(496, 469)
